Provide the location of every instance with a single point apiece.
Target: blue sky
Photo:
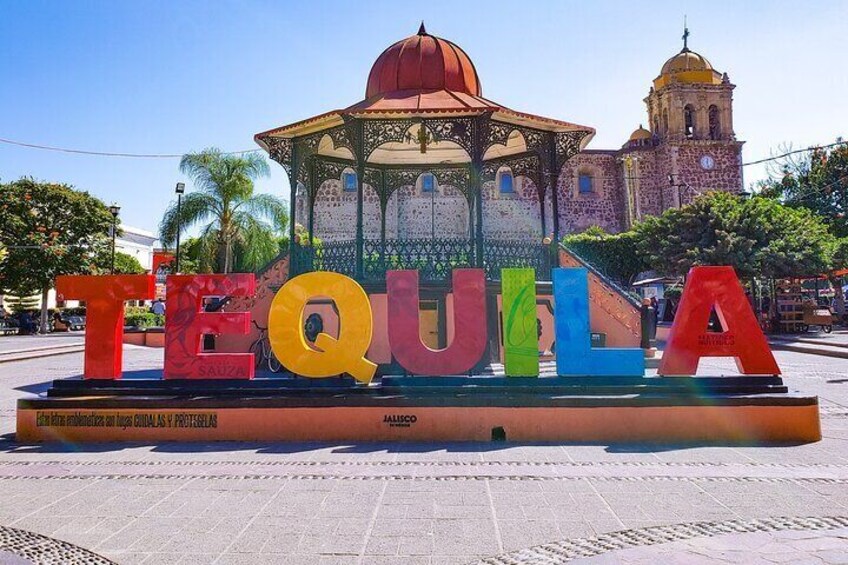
(173, 77)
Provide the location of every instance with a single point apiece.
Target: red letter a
(469, 338)
(104, 304)
(742, 338)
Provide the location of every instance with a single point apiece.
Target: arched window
(585, 182)
(506, 184)
(428, 182)
(715, 123)
(349, 183)
(689, 121)
(656, 125)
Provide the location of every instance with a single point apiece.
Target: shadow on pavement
(9, 445)
(35, 388)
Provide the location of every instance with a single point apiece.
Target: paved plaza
(426, 503)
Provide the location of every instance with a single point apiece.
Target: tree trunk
(839, 297)
(43, 326)
(221, 258)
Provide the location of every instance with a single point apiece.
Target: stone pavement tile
(519, 499)
(308, 559)
(515, 486)
(505, 510)
(459, 559)
(423, 511)
(518, 534)
(460, 545)
(46, 525)
(457, 511)
(250, 559)
(689, 454)
(574, 529)
(281, 524)
(127, 558)
(416, 545)
(832, 556)
(253, 539)
(617, 454)
(395, 560)
(739, 548)
(538, 512)
(460, 452)
(352, 526)
(408, 527)
(135, 532)
(196, 542)
(320, 526)
(605, 525)
(198, 558)
(277, 543)
(567, 487)
(382, 546)
(474, 528)
(336, 544)
(163, 559)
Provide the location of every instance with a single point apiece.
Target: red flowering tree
(48, 230)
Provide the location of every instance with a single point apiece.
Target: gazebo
(423, 117)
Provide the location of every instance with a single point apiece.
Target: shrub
(143, 320)
(614, 255)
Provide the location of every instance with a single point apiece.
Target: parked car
(64, 323)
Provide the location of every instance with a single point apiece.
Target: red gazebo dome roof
(423, 62)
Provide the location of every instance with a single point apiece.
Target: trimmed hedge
(144, 320)
(614, 255)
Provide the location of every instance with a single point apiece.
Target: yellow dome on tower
(687, 67)
(686, 60)
(640, 134)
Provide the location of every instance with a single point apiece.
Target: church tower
(690, 112)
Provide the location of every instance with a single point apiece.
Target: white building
(137, 243)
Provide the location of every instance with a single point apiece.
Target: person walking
(158, 307)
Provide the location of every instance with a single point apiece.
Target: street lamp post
(180, 189)
(115, 210)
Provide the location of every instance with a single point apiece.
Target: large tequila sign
(707, 289)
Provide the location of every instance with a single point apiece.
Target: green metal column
(360, 236)
(312, 192)
(478, 188)
(293, 169)
(540, 190)
(477, 184)
(553, 178)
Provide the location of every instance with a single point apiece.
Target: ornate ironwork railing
(433, 258)
(500, 254)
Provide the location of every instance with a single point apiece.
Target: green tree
(817, 180)
(757, 237)
(840, 262)
(840, 254)
(615, 255)
(48, 230)
(126, 264)
(195, 258)
(238, 229)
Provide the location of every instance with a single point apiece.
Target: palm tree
(238, 229)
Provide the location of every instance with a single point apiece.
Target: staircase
(612, 310)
